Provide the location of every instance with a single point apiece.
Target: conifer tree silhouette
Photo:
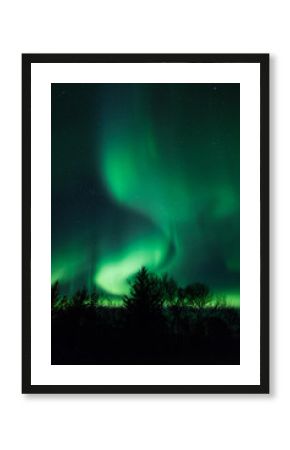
(145, 301)
(198, 295)
(54, 294)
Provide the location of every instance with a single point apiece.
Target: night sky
(146, 174)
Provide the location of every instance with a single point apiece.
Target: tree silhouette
(160, 323)
(169, 289)
(94, 299)
(80, 298)
(145, 302)
(198, 295)
(54, 294)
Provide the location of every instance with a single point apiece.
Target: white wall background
(142, 422)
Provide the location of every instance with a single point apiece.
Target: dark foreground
(110, 336)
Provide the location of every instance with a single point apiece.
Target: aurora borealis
(146, 174)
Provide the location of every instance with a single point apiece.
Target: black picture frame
(27, 61)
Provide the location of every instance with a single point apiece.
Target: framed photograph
(145, 232)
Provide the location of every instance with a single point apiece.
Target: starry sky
(146, 174)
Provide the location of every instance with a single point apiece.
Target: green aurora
(146, 174)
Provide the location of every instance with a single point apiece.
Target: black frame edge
(264, 224)
(145, 389)
(26, 225)
(145, 57)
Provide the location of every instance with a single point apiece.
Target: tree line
(148, 293)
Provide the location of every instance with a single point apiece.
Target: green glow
(67, 264)
(135, 176)
(113, 274)
(233, 299)
(111, 303)
(227, 202)
(145, 174)
(229, 298)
